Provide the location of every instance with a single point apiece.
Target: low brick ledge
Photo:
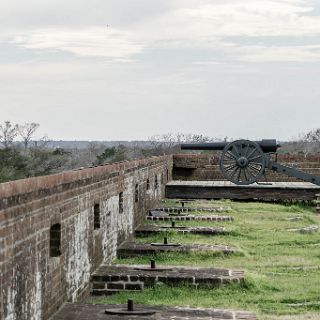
(132, 249)
(190, 209)
(189, 217)
(149, 229)
(88, 311)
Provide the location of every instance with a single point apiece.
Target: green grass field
(282, 267)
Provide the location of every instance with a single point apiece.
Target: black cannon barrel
(267, 145)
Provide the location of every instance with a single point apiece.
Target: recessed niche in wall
(156, 184)
(148, 184)
(96, 216)
(121, 202)
(55, 240)
(136, 193)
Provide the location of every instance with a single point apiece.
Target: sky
(131, 69)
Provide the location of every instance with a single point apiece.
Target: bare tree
(26, 132)
(313, 136)
(8, 132)
(170, 142)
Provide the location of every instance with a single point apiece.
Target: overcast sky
(129, 69)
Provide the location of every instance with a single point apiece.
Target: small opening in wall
(55, 240)
(121, 202)
(136, 193)
(148, 184)
(168, 177)
(96, 216)
(162, 178)
(156, 184)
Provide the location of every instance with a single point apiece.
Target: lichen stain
(78, 266)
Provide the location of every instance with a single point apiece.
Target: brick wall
(206, 167)
(84, 206)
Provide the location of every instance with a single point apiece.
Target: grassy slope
(281, 267)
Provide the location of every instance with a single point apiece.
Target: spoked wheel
(242, 162)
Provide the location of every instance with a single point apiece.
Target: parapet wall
(55, 230)
(206, 167)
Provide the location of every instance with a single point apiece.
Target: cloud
(211, 26)
(279, 53)
(92, 42)
(198, 25)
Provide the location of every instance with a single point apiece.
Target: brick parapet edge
(35, 282)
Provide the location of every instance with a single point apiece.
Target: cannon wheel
(242, 162)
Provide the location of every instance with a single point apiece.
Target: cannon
(243, 162)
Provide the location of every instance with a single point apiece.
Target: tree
(12, 165)
(43, 161)
(313, 136)
(26, 132)
(114, 154)
(170, 143)
(8, 132)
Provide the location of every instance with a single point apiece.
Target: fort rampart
(206, 167)
(55, 230)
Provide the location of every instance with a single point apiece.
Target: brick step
(190, 209)
(118, 285)
(108, 292)
(189, 217)
(132, 249)
(137, 277)
(149, 229)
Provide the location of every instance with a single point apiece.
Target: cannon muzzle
(267, 145)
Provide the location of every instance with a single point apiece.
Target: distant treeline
(21, 156)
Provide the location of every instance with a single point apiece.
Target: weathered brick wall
(206, 167)
(33, 283)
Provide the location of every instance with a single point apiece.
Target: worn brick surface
(188, 217)
(132, 249)
(88, 312)
(189, 209)
(206, 167)
(152, 229)
(227, 190)
(33, 284)
(138, 277)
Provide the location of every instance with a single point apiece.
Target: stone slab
(188, 217)
(87, 312)
(190, 209)
(228, 190)
(132, 249)
(153, 229)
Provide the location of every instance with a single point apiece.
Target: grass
(282, 267)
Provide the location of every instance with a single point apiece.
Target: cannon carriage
(244, 162)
